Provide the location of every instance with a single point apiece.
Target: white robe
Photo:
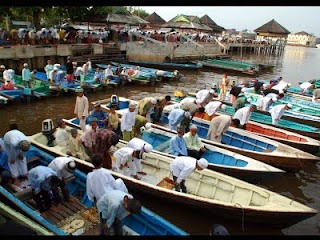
(62, 137)
(138, 145)
(181, 167)
(265, 103)
(305, 86)
(123, 156)
(277, 112)
(127, 120)
(12, 141)
(108, 72)
(243, 114)
(59, 165)
(280, 86)
(82, 109)
(212, 107)
(100, 181)
(202, 95)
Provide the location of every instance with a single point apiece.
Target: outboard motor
(214, 87)
(115, 101)
(48, 130)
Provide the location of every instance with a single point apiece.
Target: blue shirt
(111, 206)
(97, 75)
(176, 116)
(177, 146)
(100, 115)
(38, 176)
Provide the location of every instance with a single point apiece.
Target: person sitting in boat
(97, 76)
(177, 116)
(219, 125)
(114, 120)
(48, 68)
(113, 207)
(182, 167)
(146, 105)
(43, 180)
(100, 180)
(266, 102)
(316, 95)
(224, 87)
(88, 138)
(64, 168)
(278, 111)
(136, 72)
(61, 135)
(211, 108)
(16, 146)
(158, 108)
(81, 108)
(139, 145)
(125, 158)
(105, 139)
(100, 115)
(305, 86)
(195, 147)
(177, 145)
(5, 175)
(130, 71)
(118, 70)
(127, 122)
(7, 86)
(240, 102)
(205, 96)
(75, 147)
(244, 114)
(108, 73)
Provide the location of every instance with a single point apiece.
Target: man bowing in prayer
(81, 109)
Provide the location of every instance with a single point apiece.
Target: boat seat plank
(33, 159)
(67, 210)
(215, 188)
(50, 217)
(24, 195)
(70, 207)
(57, 215)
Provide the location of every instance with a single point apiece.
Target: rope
(242, 222)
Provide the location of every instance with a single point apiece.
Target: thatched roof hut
(185, 22)
(209, 22)
(272, 29)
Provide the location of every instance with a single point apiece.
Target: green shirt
(192, 142)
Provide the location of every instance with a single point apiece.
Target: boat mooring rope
(242, 222)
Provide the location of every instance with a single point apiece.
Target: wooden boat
(230, 65)
(212, 192)
(252, 145)
(164, 65)
(8, 214)
(219, 159)
(303, 97)
(12, 95)
(264, 118)
(145, 223)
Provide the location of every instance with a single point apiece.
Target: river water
(294, 65)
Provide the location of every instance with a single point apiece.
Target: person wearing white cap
(125, 161)
(266, 102)
(16, 145)
(48, 68)
(53, 75)
(177, 116)
(219, 125)
(127, 122)
(182, 167)
(26, 75)
(64, 167)
(139, 145)
(195, 147)
(305, 86)
(278, 111)
(100, 180)
(8, 74)
(192, 107)
(244, 114)
(61, 134)
(224, 86)
(81, 109)
(211, 108)
(146, 105)
(205, 96)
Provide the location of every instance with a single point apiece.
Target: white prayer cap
(274, 99)
(148, 147)
(249, 100)
(71, 166)
(132, 105)
(25, 65)
(265, 85)
(281, 91)
(211, 91)
(198, 101)
(203, 163)
(148, 125)
(154, 101)
(289, 84)
(243, 90)
(193, 126)
(187, 114)
(223, 106)
(55, 68)
(289, 105)
(2, 66)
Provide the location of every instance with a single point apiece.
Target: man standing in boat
(81, 109)
(89, 137)
(182, 167)
(224, 87)
(195, 147)
(127, 122)
(244, 114)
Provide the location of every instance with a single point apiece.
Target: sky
(294, 19)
